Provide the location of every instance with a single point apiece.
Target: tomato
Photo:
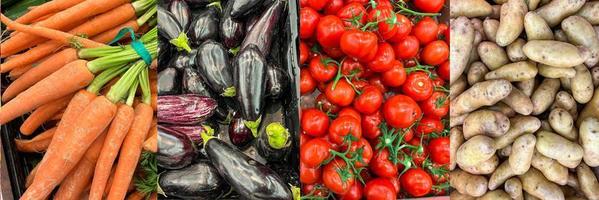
(437, 82)
(308, 21)
(378, 83)
(383, 4)
(314, 152)
(443, 70)
(314, 122)
(315, 190)
(417, 157)
(429, 125)
(370, 125)
(349, 111)
(366, 152)
(387, 28)
(304, 53)
(354, 193)
(418, 85)
(325, 105)
(407, 48)
(442, 28)
(307, 83)
(318, 4)
(333, 52)
(333, 7)
(303, 3)
(439, 150)
(380, 189)
(322, 69)
(334, 180)
(309, 175)
(342, 95)
(304, 138)
(436, 106)
(435, 53)
(381, 165)
(361, 45)
(426, 30)
(329, 31)
(394, 77)
(383, 60)
(342, 126)
(369, 101)
(360, 84)
(429, 6)
(408, 135)
(404, 27)
(416, 182)
(401, 111)
(351, 67)
(352, 11)
(446, 34)
(358, 1)
(395, 181)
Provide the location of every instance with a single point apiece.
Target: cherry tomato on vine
(395, 181)
(394, 77)
(353, 14)
(308, 21)
(435, 53)
(342, 95)
(337, 177)
(429, 6)
(307, 83)
(407, 48)
(335, 52)
(318, 4)
(386, 18)
(309, 175)
(325, 105)
(381, 165)
(366, 150)
(436, 106)
(418, 156)
(315, 190)
(442, 28)
(401, 111)
(314, 152)
(369, 101)
(333, 7)
(329, 31)
(350, 67)
(418, 85)
(377, 82)
(370, 125)
(443, 70)
(343, 126)
(314, 122)
(359, 44)
(429, 125)
(304, 53)
(380, 189)
(383, 60)
(322, 68)
(404, 27)
(349, 111)
(426, 30)
(354, 193)
(416, 182)
(304, 138)
(439, 150)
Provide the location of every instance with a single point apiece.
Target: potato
(537, 185)
(496, 14)
(518, 126)
(564, 100)
(501, 174)
(595, 75)
(481, 94)
(545, 126)
(582, 87)
(581, 32)
(550, 168)
(511, 22)
(457, 120)
(565, 83)
(475, 150)
(521, 157)
(573, 181)
(562, 123)
(513, 187)
(536, 28)
(505, 151)
(468, 184)
(482, 168)
(490, 27)
(560, 35)
(544, 95)
(554, 53)
(476, 72)
(514, 51)
(590, 110)
(590, 12)
(464, 8)
(457, 195)
(456, 138)
(533, 4)
(518, 101)
(485, 122)
(478, 38)
(502, 108)
(559, 148)
(589, 139)
(492, 55)
(556, 72)
(519, 71)
(556, 10)
(496, 195)
(587, 181)
(461, 45)
(457, 88)
(527, 87)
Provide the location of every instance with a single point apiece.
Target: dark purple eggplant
(277, 82)
(250, 80)
(231, 30)
(246, 176)
(182, 60)
(204, 26)
(186, 109)
(251, 22)
(193, 84)
(169, 81)
(199, 181)
(165, 54)
(196, 3)
(180, 9)
(239, 134)
(261, 34)
(175, 150)
(192, 131)
(274, 140)
(212, 61)
(243, 8)
(170, 29)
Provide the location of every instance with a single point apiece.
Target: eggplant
(170, 29)
(199, 181)
(192, 131)
(175, 150)
(261, 34)
(250, 80)
(248, 177)
(277, 82)
(181, 11)
(251, 22)
(165, 54)
(195, 3)
(183, 60)
(239, 134)
(169, 81)
(186, 109)
(212, 61)
(274, 140)
(243, 8)
(231, 30)
(204, 26)
(193, 84)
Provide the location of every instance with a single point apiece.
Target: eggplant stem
(207, 134)
(278, 135)
(229, 92)
(296, 192)
(253, 126)
(181, 42)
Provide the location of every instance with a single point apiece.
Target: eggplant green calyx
(278, 135)
(229, 92)
(207, 134)
(181, 42)
(253, 126)
(296, 192)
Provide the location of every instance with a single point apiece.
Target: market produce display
(524, 99)
(89, 106)
(227, 115)
(374, 99)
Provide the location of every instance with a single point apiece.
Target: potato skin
(555, 11)
(518, 101)
(590, 110)
(490, 27)
(522, 151)
(513, 187)
(595, 75)
(518, 71)
(537, 185)
(550, 168)
(475, 150)
(476, 72)
(582, 87)
(457, 87)
(485, 122)
(587, 181)
(590, 12)
(511, 23)
(544, 95)
(457, 195)
(569, 153)
(589, 139)
(461, 45)
(464, 8)
(481, 94)
(564, 100)
(519, 125)
(527, 86)
(456, 138)
(514, 50)
(581, 32)
(472, 185)
(496, 195)
(482, 168)
(492, 55)
(556, 72)
(562, 123)
(554, 53)
(500, 175)
(536, 28)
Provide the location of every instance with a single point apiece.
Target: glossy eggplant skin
(185, 109)
(181, 11)
(169, 27)
(182, 60)
(204, 26)
(169, 81)
(231, 30)
(239, 134)
(175, 150)
(193, 84)
(274, 113)
(261, 33)
(243, 8)
(277, 82)
(212, 61)
(246, 176)
(165, 54)
(250, 80)
(197, 181)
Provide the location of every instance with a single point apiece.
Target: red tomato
(354, 193)
(394, 77)
(322, 69)
(407, 48)
(404, 27)
(369, 101)
(303, 3)
(317, 190)
(417, 157)
(442, 28)
(308, 21)
(314, 122)
(366, 152)
(401, 111)
(429, 125)
(325, 105)
(358, 1)
(378, 83)
(314, 152)
(307, 83)
(437, 82)
(435, 53)
(439, 150)
(383, 4)
(370, 125)
(360, 84)
(381, 165)
(350, 66)
(429, 6)
(304, 53)
(332, 178)
(446, 33)
(395, 181)
(383, 60)
(333, 7)
(329, 31)
(418, 85)
(436, 106)
(359, 44)
(309, 175)
(380, 189)
(443, 70)
(349, 111)
(416, 182)
(387, 28)
(304, 138)
(342, 126)
(342, 95)
(335, 53)
(318, 4)
(352, 11)
(426, 30)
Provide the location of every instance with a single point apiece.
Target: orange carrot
(109, 183)
(45, 9)
(42, 18)
(151, 144)
(31, 176)
(136, 196)
(154, 196)
(116, 134)
(131, 151)
(38, 144)
(68, 79)
(109, 35)
(57, 116)
(43, 113)
(17, 72)
(88, 126)
(80, 178)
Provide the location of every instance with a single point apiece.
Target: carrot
(109, 182)
(42, 18)
(47, 8)
(57, 116)
(131, 151)
(109, 35)
(88, 126)
(154, 196)
(136, 196)
(151, 144)
(116, 134)
(17, 72)
(43, 113)
(31, 176)
(68, 79)
(38, 144)
(80, 178)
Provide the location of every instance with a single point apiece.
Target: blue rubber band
(137, 46)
